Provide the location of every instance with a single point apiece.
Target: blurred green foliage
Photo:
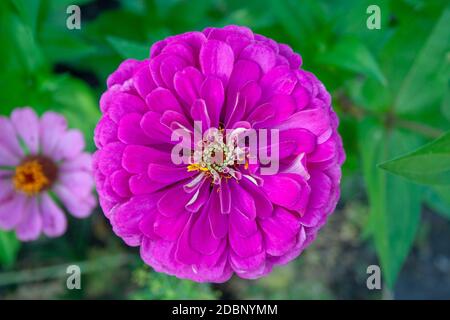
(157, 286)
(390, 87)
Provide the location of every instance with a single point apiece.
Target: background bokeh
(390, 88)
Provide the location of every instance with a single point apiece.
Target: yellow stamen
(30, 177)
(196, 167)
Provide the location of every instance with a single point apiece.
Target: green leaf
(20, 51)
(426, 79)
(351, 54)
(28, 11)
(394, 203)
(429, 164)
(9, 247)
(438, 199)
(128, 49)
(72, 98)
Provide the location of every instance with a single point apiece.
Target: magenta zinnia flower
(40, 160)
(207, 219)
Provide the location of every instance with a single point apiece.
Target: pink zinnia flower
(40, 160)
(206, 220)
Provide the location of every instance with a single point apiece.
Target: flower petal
(54, 222)
(26, 123)
(12, 211)
(216, 59)
(31, 224)
(8, 137)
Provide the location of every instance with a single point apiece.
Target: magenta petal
(169, 67)
(7, 158)
(316, 121)
(184, 252)
(287, 190)
(170, 228)
(280, 232)
(187, 84)
(124, 103)
(181, 50)
(245, 247)
(141, 184)
(136, 158)
(201, 238)
(320, 185)
(54, 222)
(167, 206)
(213, 93)
(246, 203)
(153, 128)
(26, 123)
(12, 211)
(279, 80)
(167, 173)
(123, 72)
(216, 59)
(126, 218)
(143, 81)
(31, 225)
(235, 111)
(147, 223)
(244, 71)
(199, 198)
(130, 131)
(311, 217)
(261, 115)
(218, 221)
(52, 126)
(301, 140)
(260, 53)
(8, 137)
(225, 198)
(247, 265)
(79, 182)
(110, 157)
(70, 145)
(6, 187)
(324, 151)
(160, 100)
(244, 226)
(120, 183)
(285, 107)
(199, 112)
(302, 97)
(82, 162)
(251, 93)
(79, 207)
(175, 120)
(262, 204)
(105, 132)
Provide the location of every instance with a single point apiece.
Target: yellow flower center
(34, 174)
(218, 158)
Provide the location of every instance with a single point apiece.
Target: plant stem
(419, 128)
(59, 271)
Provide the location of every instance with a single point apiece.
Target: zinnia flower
(42, 163)
(207, 219)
